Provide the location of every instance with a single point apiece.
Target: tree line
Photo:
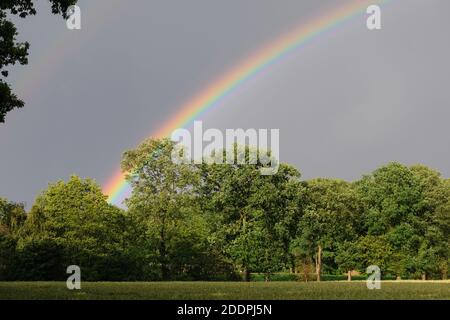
(224, 222)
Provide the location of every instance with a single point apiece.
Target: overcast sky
(347, 103)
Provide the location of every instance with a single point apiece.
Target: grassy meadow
(226, 290)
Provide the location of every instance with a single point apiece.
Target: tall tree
(399, 205)
(253, 216)
(348, 258)
(330, 217)
(12, 218)
(433, 255)
(373, 250)
(163, 201)
(72, 223)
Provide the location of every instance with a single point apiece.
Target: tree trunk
(444, 272)
(246, 275)
(244, 229)
(399, 278)
(163, 254)
(424, 276)
(319, 262)
(349, 275)
(164, 268)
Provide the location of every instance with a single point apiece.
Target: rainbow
(46, 63)
(118, 189)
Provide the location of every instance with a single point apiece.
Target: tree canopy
(227, 221)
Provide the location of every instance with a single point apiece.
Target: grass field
(226, 290)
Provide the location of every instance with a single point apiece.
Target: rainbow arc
(117, 188)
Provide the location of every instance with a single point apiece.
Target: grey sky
(348, 102)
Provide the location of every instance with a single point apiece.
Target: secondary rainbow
(43, 65)
(117, 188)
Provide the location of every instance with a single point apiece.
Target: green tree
(73, 223)
(395, 208)
(374, 250)
(433, 257)
(12, 217)
(406, 206)
(253, 216)
(391, 195)
(433, 254)
(331, 216)
(280, 199)
(163, 200)
(11, 51)
(348, 258)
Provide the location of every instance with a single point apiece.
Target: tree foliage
(214, 221)
(175, 233)
(72, 224)
(253, 217)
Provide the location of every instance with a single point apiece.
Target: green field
(226, 290)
